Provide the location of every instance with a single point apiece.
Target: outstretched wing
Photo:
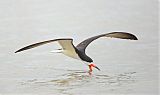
(121, 35)
(66, 43)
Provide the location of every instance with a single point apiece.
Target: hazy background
(127, 67)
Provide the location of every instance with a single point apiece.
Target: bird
(79, 51)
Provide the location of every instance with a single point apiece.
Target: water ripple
(73, 79)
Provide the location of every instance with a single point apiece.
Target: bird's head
(91, 66)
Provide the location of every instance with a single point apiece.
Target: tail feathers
(57, 51)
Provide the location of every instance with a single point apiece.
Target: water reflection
(73, 79)
(116, 80)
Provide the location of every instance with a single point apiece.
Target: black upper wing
(42, 43)
(121, 35)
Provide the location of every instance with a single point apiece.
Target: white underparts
(68, 48)
(71, 53)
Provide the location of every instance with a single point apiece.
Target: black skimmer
(78, 52)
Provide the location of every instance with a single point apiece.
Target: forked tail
(57, 51)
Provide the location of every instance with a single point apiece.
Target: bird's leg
(90, 69)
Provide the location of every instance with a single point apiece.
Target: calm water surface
(127, 67)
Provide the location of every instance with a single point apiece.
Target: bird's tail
(57, 51)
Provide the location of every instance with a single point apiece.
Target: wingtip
(132, 37)
(16, 51)
(135, 38)
(122, 35)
